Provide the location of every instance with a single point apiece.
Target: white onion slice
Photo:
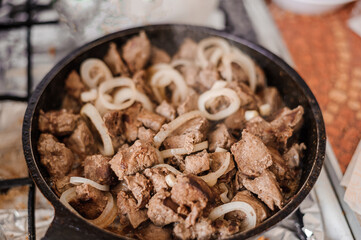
(234, 105)
(88, 65)
(169, 167)
(182, 151)
(251, 217)
(92, 113)
(110, 85)
(207, 43)
(170, 180)
(179, 62)
(88, 96)
(211, 178)
(223, 195)
(127, 94)
(249, 114)
(219, 84)
(219, 149)
(173, 125)
(265, 109)
(106, 217)
(80, 180)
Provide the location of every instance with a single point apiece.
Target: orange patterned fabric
(327, 54)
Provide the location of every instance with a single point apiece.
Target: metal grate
(29, 7)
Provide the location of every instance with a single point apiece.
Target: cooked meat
(130, 160)
(206, 78)
(97, 168)
(262, 129)
(157, 177)
(294, 154)
(140, 187)
(158, 56)
(151, 120)
(197, 163)
(187, 50)
(279, 166)
(59, 123)
(74, 86)
(70, 104)
(190, 74)
(251, 155)
(57, 158)
(238, 74)
(115, 62)
(61, 184)
(127, 206)
(202, 229)
(190, 133)
(217, 159)
(266, 188)
(154, 232)
(271, 96)
(166, 110)
(81, 141)
(236, 121)
(220, 137)
(260, 77)
(247, 197)
(248, 99)
(226, 228)
(162, 210)
(140, 81)
(192, 192)
(190, 103)
(136, 52)
(89, 201)
(145, 135)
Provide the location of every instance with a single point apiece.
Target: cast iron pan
(49, 93)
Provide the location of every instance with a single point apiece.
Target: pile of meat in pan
(193, 146)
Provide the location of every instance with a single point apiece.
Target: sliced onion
(111, 85)
(211, 178)
(234, 105)
(223, 195)
(167, 129)
(80, 180)
(106, 217)
(179, 62)
(86, 68)
(182, 151)
(249, 114)
(88, 96)
(219, 84)
(92, 113)
(219, 149)
(169, 167)
(265, 109)
(170, 180)
(251, 217)
(207, 43)
(127, 94)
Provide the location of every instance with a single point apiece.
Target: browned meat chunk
(202, 229)
(74, 86)
(218, 104)
(115, 62)
(145, 135)
(140, 187)
(61, 184)
(260, 77)
(190, 74)
(154, 232)
(226, 228)
(97, 168)
(220, 137)
(59, 122)
(262, 129)
(294, 154)
(266, 188)
(140, 81)
(157, 177)
(190, 133)
(279, 166)
(197, 163)
(206, 78)
(158, 56)
(81, 141)
(89, 201)
(150, 119)
(236, 121)
(248, 99)
(251, 155)
(162, 210)
(187, 50)
(136, 52)
(218, 160)
(192, 192)
(247, 197)
(70, 104)
(130, 160)
(190, 103)
(127, 206)
(57, 158)
(271, 96)
(166, 110)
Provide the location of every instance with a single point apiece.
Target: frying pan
(49, 93)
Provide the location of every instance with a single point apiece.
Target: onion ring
(86, 68)
(209, 42)
(80, 180)
(89, 96)
(181, 151)
(211, 178)
(169, 167)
